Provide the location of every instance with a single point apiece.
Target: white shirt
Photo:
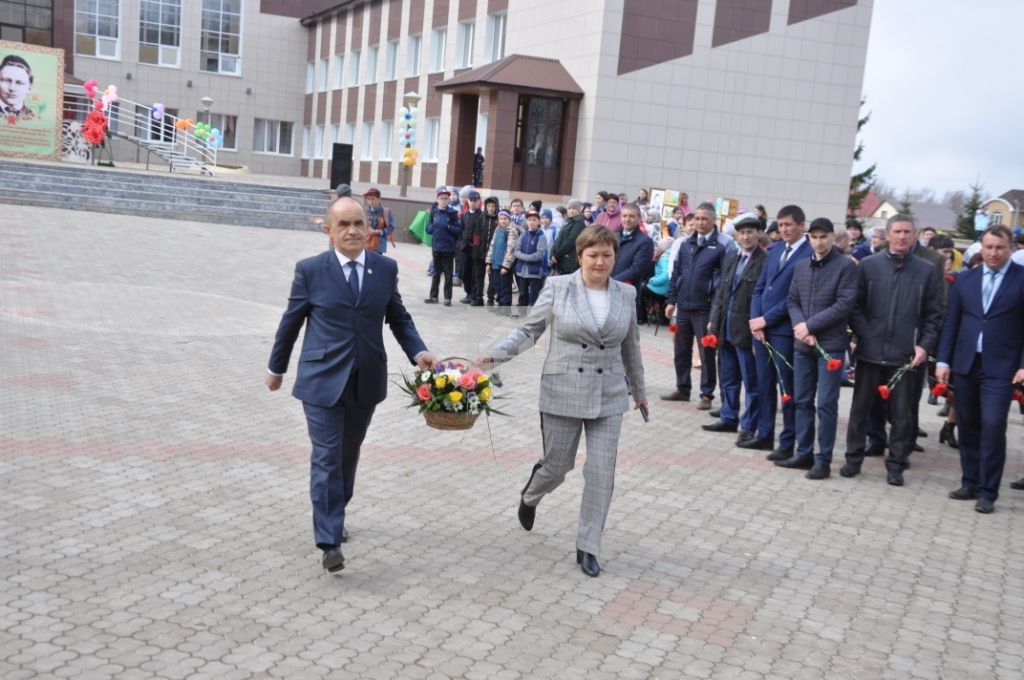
(360, 262)
(598, 300)
(1018, 257)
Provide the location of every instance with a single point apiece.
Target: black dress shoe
(850, 470)
(466, 300)
(431, 301)
(676, 395)
(780, 454)
(921, 433)
(715, 413)
(819, 471)
(962, 494)
(720, 426)
(985, 506)
(705, 404)
(756, 444)
(588, 563)
(527, 513)
(344, 535)
(795, 463)
(1019, 484)
(333, 560)
(917, 447)
(745, 435)
(894, 477)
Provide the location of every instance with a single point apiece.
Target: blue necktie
(785, 257)
(988, 289)
(739, 269)
(353, 279)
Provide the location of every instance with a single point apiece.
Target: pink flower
(467, 381)
(423, 392)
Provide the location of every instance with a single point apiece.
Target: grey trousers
(561, 440)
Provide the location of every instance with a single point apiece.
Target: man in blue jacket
(635, 259)
(982, 345)
(694, 280)
(769, 323)
(446, 227)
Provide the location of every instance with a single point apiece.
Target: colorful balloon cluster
(100, 102)
(158, 111)
(211, 135)
(407, 136)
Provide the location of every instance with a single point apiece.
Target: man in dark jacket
(695, 277)
(563, 253)
(821, 299)
(472, 226)
(479, 246)
(730, 317)
(446, 227)
(896, 321)
(635, 259)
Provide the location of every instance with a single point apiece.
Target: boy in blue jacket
(444, 225)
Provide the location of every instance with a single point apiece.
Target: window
(412, 57)
(366, 153)
(433, 138)
(153, 130)
(353, 69)
(318, 141)
(29, 21)
(321, 75)
(160, 32)
(309, 77)
(495, 48)
(220, 41)
(305, 142)
(97, 28)
(391, 60)
(995, 219)
(371, 65)
(438, 41)
(339, 69)
(465, 45)
(272, 136)
(387, 140)
(225, 123)
(332, 137)
(350, 133)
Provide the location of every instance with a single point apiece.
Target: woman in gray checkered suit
(592, 366)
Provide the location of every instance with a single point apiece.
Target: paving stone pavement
(155, 522)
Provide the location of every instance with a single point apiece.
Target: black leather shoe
(874, 450)
(431, 301)
(715, 413)
(917, 447)
(947, 435)
(780, 454)
(756, 444)
(720, 426)
(962, 494)
(527, 513)
(850, 470)
(921, 433)
(894, 477)
(344, 535)
(819, 471)
(676, 395)
(333, 561)
(447, 303)
(588, 563)
(985, 506)
(794, 463)
(466, 300)
(705, 404)
(1019, 484)
(746, 435)
(477, 303)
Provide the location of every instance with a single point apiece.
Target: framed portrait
(671, 197)
(666, 212)
(657, 199)
(31, 100)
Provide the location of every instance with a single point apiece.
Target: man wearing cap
(445, 227)
(730, 317)
(821, 299)
(563, 253)
(381, 221)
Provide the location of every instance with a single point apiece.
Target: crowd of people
(782, 314)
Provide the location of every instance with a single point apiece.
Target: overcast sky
(945, 86)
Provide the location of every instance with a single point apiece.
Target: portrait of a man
(16, 82)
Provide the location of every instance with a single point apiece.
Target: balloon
(213, 142)
(180, 124)
(408, 162)
(98, 104)
(215, 132)
(404, 111)
(110, 94)
(90, 88)
(411, 124)
(158, 111)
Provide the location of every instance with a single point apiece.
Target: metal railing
(167, 138)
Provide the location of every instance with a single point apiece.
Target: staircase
(98, 189)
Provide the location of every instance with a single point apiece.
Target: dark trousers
(768, 377)
(502, 287)
(811, 379)
(738, 369)
(982, 403)
(479, 276)
(900, 403)
(336, 433)
(468, 273)
(880, 413)
(529, 289)
(443, 263)
(690, 325)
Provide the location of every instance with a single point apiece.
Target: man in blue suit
(343, 297)
(982, 346)
(769, 321)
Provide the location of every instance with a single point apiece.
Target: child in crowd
(501, 256)
(444, 225)
(531, 254)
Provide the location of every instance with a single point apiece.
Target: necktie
(701, 241)
(785, 257)
(353, 279)
(988, 289)
(739, 269)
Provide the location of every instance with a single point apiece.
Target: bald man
(343, 296)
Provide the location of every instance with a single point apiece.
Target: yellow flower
(481, 378)
(484, 394)
(440, 381)
(456, 397)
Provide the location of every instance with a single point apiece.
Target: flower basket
(445, 420)
(451, 395)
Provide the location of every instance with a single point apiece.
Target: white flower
(425, 376)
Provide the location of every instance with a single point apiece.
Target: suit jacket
(771, 295)
(635, 259)
(589, 371)
(736, 297)
(342, 333)
(1003, 342)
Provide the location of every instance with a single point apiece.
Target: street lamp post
(207, 102)
(409, 99)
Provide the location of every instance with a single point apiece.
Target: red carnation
(672, 328)
(940, 389)
(786, 398)
(834, 364)
(884, 391)
(950, 278)
(709, 340)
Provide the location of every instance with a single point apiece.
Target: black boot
(947, 435)
(527, 513)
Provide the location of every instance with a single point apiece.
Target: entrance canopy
(529, 75)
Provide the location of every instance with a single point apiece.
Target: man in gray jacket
(897, 322)
(821, 299)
